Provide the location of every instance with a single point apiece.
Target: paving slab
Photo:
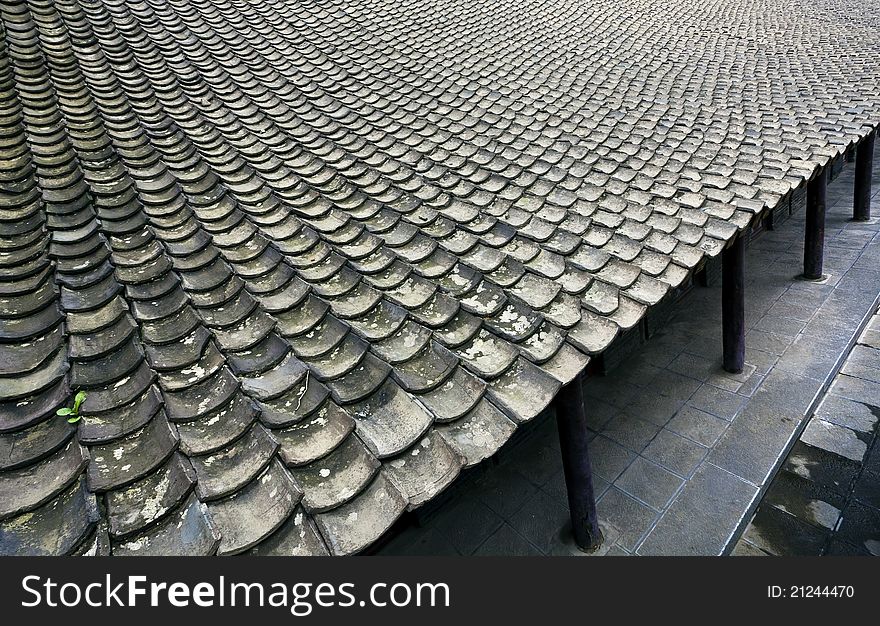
(702, 518)
(826, 498)
(861, 527)
(778, 533)
(632, 519)
(507, 542)
(698, 426)
(678, 454)
(851, 414)
(805, 499)
(649, 483)
(828, 470)
(835, 439)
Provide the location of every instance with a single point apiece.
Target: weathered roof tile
(251, 514)
(354, 285)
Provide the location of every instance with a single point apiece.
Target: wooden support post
(573, 436)
(701, 278)
(814, 232)
(862, 190)
(733, 309)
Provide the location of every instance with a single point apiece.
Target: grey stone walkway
(682, 451)
(826, 498)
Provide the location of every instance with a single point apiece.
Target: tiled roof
(309, 259)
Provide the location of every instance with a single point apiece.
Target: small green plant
(72, 413)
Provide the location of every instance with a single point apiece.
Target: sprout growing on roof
(72, 413)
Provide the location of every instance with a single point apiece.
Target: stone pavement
(826, 498)
(682, 451)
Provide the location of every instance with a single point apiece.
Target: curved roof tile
(311, 258)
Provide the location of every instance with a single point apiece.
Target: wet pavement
(826, 498)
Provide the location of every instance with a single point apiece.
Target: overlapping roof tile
(310, 259)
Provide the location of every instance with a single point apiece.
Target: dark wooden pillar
(814, 233)
(573, 436)
(733, 305)
(862, 190)
(701, 278)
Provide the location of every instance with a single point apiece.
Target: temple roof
(308, 260)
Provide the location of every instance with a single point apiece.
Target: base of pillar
(821, 279)
(607, 538)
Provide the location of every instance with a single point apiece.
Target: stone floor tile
(703, 516)
(750, 386)
(541, 520)
(872, 459)
(507, 542)
(800, 297)
(640, 371)
(811, 357)
(611, 390)
(848, 413)
(697, 425)
(675, 452)
(415, 541)
(867, 489)
(856, 389)
(824, 468)
(674, 385)
(792, 392)
(466, 523)
(833, 438)
(779, 325)
(862, 370)
(871, 337)
(744, 548)
(792, 310)
(706, 347)
(693, 366)
(629, 516)
(729, 381)
(599, 413)
(535, 461)
(761, 359)
(781, 534)
(656, 409)
(556, 486)
(631, 432)
(503, 490)
(842, 548)
(769, 342)
(649, 483)
(806, 500)
(860, 526)
(752, 445)
(609, 458)
(660, 354)
(718, 402)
